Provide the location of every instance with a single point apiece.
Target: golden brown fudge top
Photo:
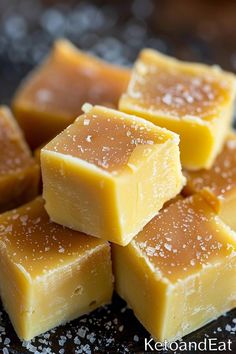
(184, 238)
(174, 88)
(221, 178)
(106, 138)
(68, 79)
(15, 154)
(38, 245)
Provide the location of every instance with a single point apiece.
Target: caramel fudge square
(179, 272)
(19, 172)
(50, 98)
(220, 180)
(193, 100)
(49, 275)
(110, 173)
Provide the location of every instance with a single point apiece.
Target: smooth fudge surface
(53, 94)
(220, 180)
(49, 275)
(179, 272)
(193, 100)
(104, 156)
(19, 173)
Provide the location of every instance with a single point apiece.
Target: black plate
(117, 30)
(112, 329)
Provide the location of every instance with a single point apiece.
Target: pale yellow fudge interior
(220, 180)
(179, 272)
(191, 99)
(102, 158)
(49, 275)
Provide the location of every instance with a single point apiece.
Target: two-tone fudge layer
(109, 173)
(179, 272)
(51, 97)
(19, 173)
(193, 100)
(49, 275)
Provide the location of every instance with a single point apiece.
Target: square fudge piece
(19, 173)
(49, 275)
(110, 173)
(193, 100)
(220, 180)
(179, 272)
(52, 95)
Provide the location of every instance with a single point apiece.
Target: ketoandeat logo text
(207, 345)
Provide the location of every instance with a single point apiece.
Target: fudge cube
(109, 173)
(193, 100)
(19, 173)
(49, 275)
(220, 180)
(179, 272)
(52, 95)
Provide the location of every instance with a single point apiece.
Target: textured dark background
(116, 31)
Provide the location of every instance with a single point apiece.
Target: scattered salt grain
(7, 341)
(86, 121)
(168, 247)
(86, 107)
(89, 138)
(82, 332)
(167, 99)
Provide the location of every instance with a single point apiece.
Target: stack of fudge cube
(138, 171)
